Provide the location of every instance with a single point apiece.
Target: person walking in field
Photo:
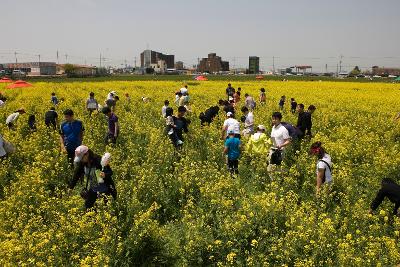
(259, 143)
(12, 118)
(230, 123)
(391, 190)
(397, 116)
(164, 108)
(293, 105)
(280, 139)
(91, 104)
(324, 165)
(181, 123)
(249, 102)
(236, 98)
(170, 127)
(282, 103)
(71, 134)
(96, 171)
(232, 149)
(230, 91)
(51, 118)
(54, 99)
(263, 96)
(248, 122)
(113, 126)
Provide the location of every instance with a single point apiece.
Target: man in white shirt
(164, 109)
(230, 123)
(12, 118)
(248, 122)
(280, 139)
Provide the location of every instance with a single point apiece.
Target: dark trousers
(110, 138)
(71, 156)
(93, 195)
(52, 124)
(233, 166)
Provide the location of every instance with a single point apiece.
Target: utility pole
(16, 61)
(340, 63)
(100, 60)
(57, 58)
(66, 58)
(273, 65)
(135, 62)
(234, 65)
(39, 58)
(326, 68)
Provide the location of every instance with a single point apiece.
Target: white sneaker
(179, 142)
(171, 132)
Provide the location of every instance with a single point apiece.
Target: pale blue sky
(314, 32)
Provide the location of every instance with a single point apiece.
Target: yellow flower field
(183, 208)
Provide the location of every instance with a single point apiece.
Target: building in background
(32, 68)
(213, 64)
(254, 65)
(385, 71)
(160, 67)
(148, 57)
(76, 70)
(179, 65)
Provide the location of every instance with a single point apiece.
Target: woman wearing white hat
(97, 172)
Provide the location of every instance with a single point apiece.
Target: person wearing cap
(12, 118)
(232, 148)
(248, 119)
(113, 126)
(3, 152)
(112, 99)
(259, 143)
(97, 173)
(230, 123)
(181, 123)
(324, 165)
(71, 134)
(164, 109)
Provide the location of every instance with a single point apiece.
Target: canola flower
(183, 209)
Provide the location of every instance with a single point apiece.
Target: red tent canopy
(259, 77)
(5, 80)
(19, 84)
(201, 78)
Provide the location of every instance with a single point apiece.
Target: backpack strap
(326, 163)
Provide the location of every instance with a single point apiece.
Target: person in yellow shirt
(259, 143)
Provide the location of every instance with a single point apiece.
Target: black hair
(246, 94)
(301, 105)
(91, 94)
(181, 109)
(52, 108)
(277, 115)
(68, 112)
(262, 90)
(321, 152)
(244, 109)
(312, 107)
(292, 99)
(221, 102)
(53, 93)
(169, 111)
(179, 94)
(116, 97)
(238, 93)
(239, 88)
(387, 181)
(229, 84)
(106, 110)
(166, 102)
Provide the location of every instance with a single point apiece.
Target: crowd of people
(277, 148)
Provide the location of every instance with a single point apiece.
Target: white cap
(261, 127)
(105, 159)
(113, 92)
(229, 114)
(79, 152)
(230, 98)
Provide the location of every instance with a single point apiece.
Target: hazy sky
(314, 32)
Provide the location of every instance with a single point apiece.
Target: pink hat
(79, 152)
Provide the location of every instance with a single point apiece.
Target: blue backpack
(293, 131)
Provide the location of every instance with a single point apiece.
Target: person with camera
(324, 165)
(113, 126)
(96, 174)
